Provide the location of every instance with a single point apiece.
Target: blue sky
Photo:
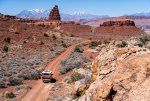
(98, 7)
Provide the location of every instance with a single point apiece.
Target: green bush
(78, 49)
(46, 35)
(95, 43)
(2, 84)
(5, 48)
(13, 81)
(10, 95)
(144, 39)
(76, 76)
(64, 45)
(122, 44)
(8, 39)
(106, 42)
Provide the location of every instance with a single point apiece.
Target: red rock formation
(119, 23)
(54, 14)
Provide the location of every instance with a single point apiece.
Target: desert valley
(101, 59)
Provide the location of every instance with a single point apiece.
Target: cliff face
(119, 23)
(120, 74)
(122, 28)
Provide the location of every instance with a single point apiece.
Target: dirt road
(40, 91)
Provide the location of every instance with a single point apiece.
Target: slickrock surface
(120, 74)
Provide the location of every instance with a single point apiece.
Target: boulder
(120, 74)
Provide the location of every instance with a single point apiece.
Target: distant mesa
(54, 14)
(119, 23)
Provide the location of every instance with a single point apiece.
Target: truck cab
(47, 76)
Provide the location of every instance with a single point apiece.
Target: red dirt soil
(40, 91)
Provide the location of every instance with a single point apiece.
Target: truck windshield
(46, 73)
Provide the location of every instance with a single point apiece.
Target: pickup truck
(47, 76)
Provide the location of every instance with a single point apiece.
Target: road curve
(40, 91)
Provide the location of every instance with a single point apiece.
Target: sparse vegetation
(8, 39)
(5, 49)
(74, 60)
(71, 35)
(10, 95)
(76, 76)
(64, 45)
(41, 43)
(46, 35)
(2, 84)
(13, 81)
(17, 33)
(29, 75)
(54, 37)
(20, 87)
(144, 39)
(106, 42)
(95, 43)
(122, 44)
(78, 49)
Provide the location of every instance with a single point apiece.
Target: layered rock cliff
(120, 74)
(119, 23)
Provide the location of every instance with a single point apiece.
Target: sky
(97, 7)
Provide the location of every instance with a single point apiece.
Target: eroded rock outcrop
(54, 14)
(121, 29)
(120, 74)
(119, 23)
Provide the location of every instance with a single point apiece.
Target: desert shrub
(139, 43)
(64, 45)
(74, 60)
(8, 39)
(13, 81)
(71, 35)
(68, 67)
(2, 84)
(5, 49)
(41, 43)
(29, 75)
(144, 39)
(76, 76)
(24, 42)
(35, 76)
(54, 37)
(22, 87)
(94, 43)
(10, 95)
(106, 42)
(78, 49)
(122, 44)
(88, 79)
(17, 33)
(51, 49)
(80, 93)
(46, 35)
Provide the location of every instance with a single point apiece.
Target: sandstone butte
(54, 14)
